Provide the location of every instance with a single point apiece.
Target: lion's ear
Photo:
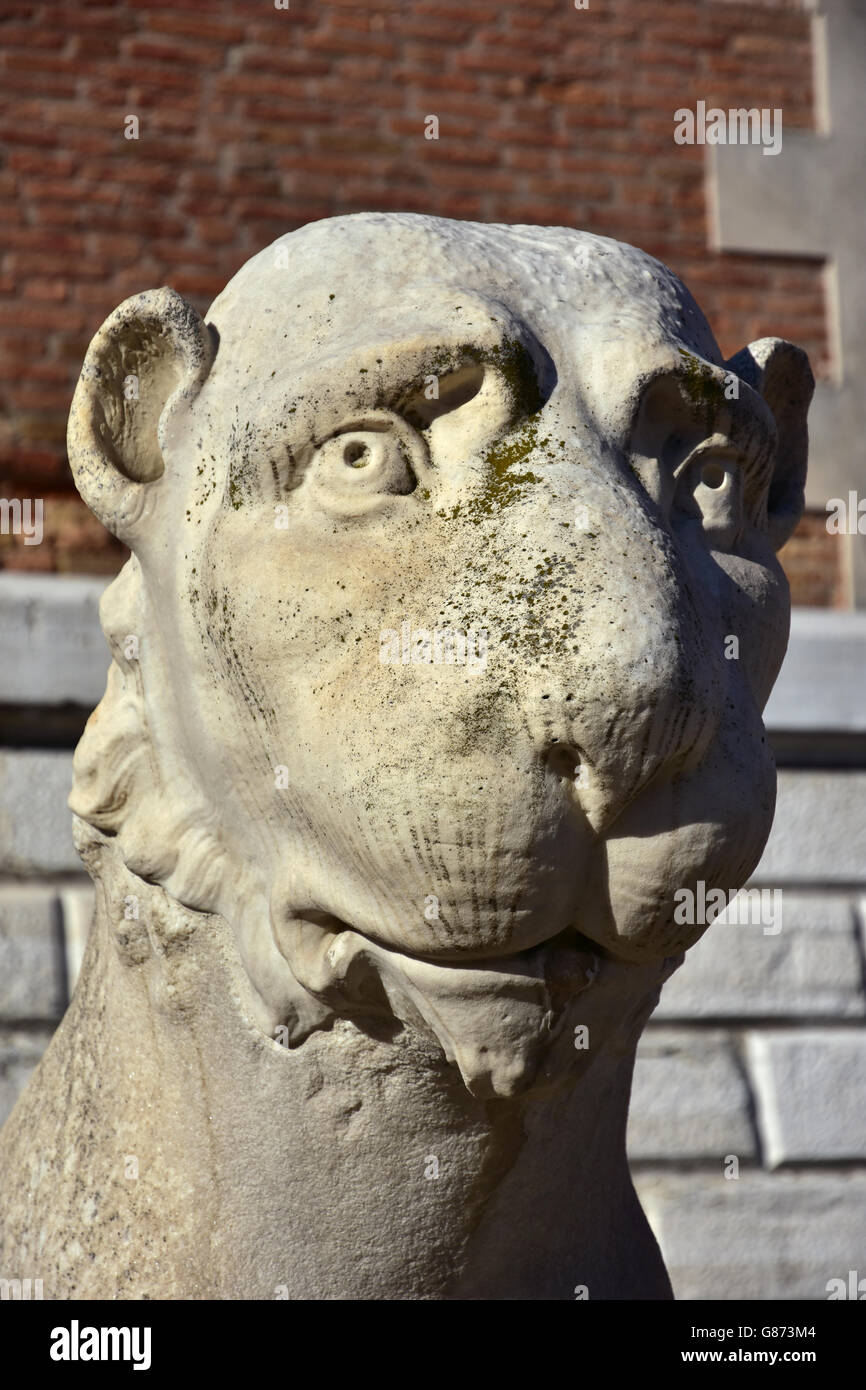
(153, 352)
(780, 372)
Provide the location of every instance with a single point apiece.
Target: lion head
(452, 611)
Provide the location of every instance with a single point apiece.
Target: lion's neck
(184, 1154)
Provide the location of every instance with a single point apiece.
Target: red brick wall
(255, 120)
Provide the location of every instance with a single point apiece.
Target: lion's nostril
(713, 475)
(563, 762)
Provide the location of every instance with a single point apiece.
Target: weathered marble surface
(376, 937)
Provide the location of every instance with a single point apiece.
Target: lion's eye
(363, 464)
(709, 488)
(366, 458)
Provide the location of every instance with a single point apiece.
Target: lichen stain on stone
(702, 386)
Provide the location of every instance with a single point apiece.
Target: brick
(25, 471)
(342, 95)
(192, 283)
(12, 133)
(810, 969)
(38, 371)
(507, 61)
(595, 191)
(339, 42)
(71, 560)
(455, 14)
(32, 973)
(15, 557)
(811, 1091)
(314, 79)
(54, 317)
(40, 62)
(117, 249)
(430, 27)
(199, 26)
(291, 63)
(191, 55)
(34, 397)
(445, 84)
(757, 1236)
(525, 18)
(30, 36)
(20, 81)
(320, 162)
(170, 5)
(61, 215)
(689, 1099)
(42, 429)
(106, 20)
(255, 84)
(619, 164)
(768, 45)
(33, 162)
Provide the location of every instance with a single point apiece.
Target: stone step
(758, 1236)
(810, 1086)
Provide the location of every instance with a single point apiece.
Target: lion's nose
(606, 749)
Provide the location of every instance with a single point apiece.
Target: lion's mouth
(494, 1018)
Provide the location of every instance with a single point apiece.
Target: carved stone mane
(378, 926)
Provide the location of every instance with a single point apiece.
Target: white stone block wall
(747, 1134)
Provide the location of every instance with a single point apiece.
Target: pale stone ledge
(819, 833)
(35, 822)
(811, 1092)
(820, 686)
(810, 968)
(32, 982)
(49, 624)
(757, 1236)
(689, 1099)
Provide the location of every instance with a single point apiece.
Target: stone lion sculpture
(378, 926)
